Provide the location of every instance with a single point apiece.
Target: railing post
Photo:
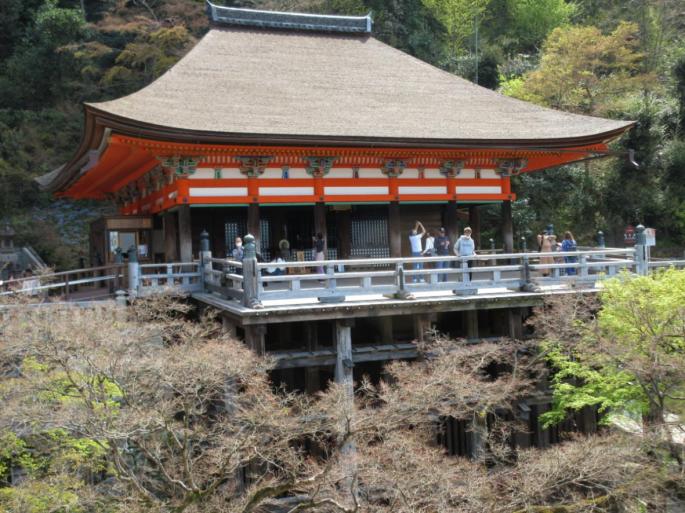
(119, 266)
(601, 244)
(66, 286)
(120, 301)
(493, 251)
(332, 295)
(465, 276)
(205, 257)
(526, 284)
(641, 254)
(465, 279)
(133, 272)
(250, 270)
(584, 270)
(170, 275)
(401, 283)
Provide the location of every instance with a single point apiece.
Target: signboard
(629, 235)
(650, 237)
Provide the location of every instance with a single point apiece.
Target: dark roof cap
(288, 20)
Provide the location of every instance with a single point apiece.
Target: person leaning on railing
(466, 247)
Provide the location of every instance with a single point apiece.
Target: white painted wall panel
(209, 192)
(354, 191)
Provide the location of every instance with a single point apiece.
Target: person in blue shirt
(466, 247)
(568, 245)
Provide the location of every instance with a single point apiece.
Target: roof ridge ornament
(222, 15)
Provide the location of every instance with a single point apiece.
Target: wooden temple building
(284, 125)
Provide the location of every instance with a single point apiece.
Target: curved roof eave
(98, 122)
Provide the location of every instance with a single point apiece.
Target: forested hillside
(615, 58)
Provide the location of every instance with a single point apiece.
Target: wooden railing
(252, 283)
(87, 282)
(151, 278)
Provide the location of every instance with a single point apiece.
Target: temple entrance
(111, 237)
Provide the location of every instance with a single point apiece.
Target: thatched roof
(309, 85)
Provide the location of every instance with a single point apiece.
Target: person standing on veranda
(568, 245)
(547, 243)
(415, 240)
(429, 246)
(237, 253)
(466, 247)
(442, 248)
(319, 252)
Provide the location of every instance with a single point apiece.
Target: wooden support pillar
(474, 223)
(479, 435)
(422, 325)
(312, 382)
(228, 327)
(514, 323)
(343, 362)
(540, 434)
(255, 338)
(170, 237)
(320, 224)
(344, 376)
(344, 221)
(253, 225)
(394, 229)
(285, 338)
(451, 222)
(507, 227)
(471, 324)
(185, 237)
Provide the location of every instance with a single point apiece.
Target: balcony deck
(250, 293)
(375, 305)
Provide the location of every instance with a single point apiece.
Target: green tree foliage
(674, 167)
(533, 20)
(148, 56)
(629, 357)
(679, 78)
(34, 75)
(583, 70)
(16, 16)
(410, 26)
(459, 17)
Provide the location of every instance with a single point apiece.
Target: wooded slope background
(622, 59)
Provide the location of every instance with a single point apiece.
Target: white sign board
(650, 237)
